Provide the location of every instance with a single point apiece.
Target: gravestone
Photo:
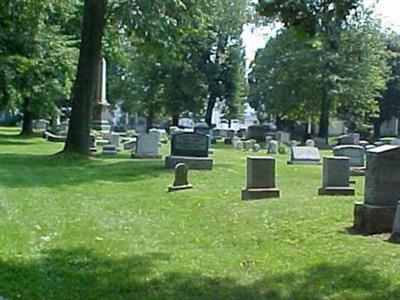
(147, 146)
(203, 128)
(257, 132)
(235, 141)
(304, 155)
(354, 152)
(349, 139)
(239, 145)
(363, 143)
(382, 191)
(260, 179)
(101, 111)
(268, 140)
(109, 149)
(335, 177)
(256, 147)
(115, 139)
(273, 147)
(130, 144)
(310, 143)
(395, 237)
(249, 144)
(92, 143)
(181, 178)
(390, 127)
(283, 137)
(40, 125)
(189, 148)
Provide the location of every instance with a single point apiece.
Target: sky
(387, 10)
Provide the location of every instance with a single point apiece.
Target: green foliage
(291, 77)
(36, 57)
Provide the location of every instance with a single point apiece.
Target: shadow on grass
(80, 274)
(25, 170)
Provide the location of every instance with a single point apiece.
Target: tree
(36, 57)
(309, 18)
(94, 19)
(297, 79)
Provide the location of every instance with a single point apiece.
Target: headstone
(249, 144)
(235, 141)
(101, 111)
(349, 139)
(92, 143)
(364, 143)
(395, 237)
(335, 177)
(115, 139)
(147, 146)
(387, 140)
(40, 125)
(369, 147)
(181, 178)
(260, 179)
(130, 144)
(273, 147)
(203, 128)
(268, 140)
(382, 191)
(109, 150)
(310, 143)
(390, 127)
(354, 152)
(239, 145)
(395, 142)
(305, 155)
(256, 147)
(63, 128)
(257, 132)
(283, 137)
(190, 148)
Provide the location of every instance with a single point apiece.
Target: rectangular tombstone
(354, 152)
(335, 177)
(305, 155)
(189, 144)
(349, 139)
(147, 146)
(382, 191)
(260, 179)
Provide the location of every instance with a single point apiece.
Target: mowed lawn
(105, 228)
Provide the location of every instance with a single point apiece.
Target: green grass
(106, 228)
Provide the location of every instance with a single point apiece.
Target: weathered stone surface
(395, 237)
(335, 177)
(260, 179)
(382, 191)
(181, 178)
(147, 146)
(189, 144)
(109, 150)
(273, 147)
(349, 139)
(305, 155)
(310, 143)
(354, 152)
(257, 132)
(115, 139)
(249, 145)
(194, 163)
(371, 219)
(268, 140)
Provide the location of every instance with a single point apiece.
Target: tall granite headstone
(335, 177)
(382, 191)
(260, 179)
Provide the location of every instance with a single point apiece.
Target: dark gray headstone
(189, 144)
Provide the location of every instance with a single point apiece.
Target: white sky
(387, 10)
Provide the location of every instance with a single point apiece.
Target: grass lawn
(106, 228)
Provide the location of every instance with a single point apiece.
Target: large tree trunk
(210, 107)
(94, 20)
(27, 119)
(324, 117)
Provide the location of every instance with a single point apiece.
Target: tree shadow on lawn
(24, 170)
(80, 274)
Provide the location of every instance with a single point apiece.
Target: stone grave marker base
(336, 191)
(256, 194)
(371, 219)
(146, 156)
(194, 163)
(172, 188)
